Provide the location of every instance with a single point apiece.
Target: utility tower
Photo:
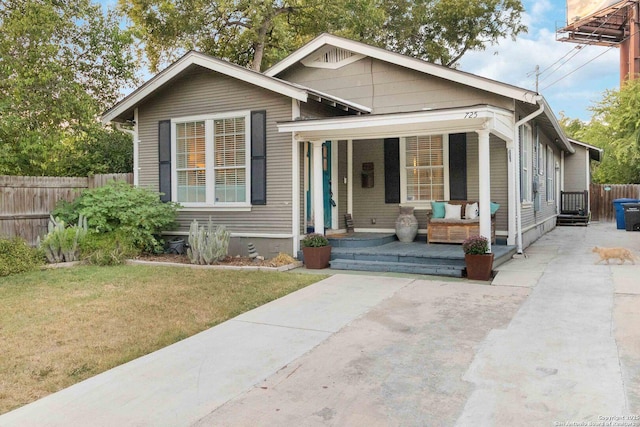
(606, 23)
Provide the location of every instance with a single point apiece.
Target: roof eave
(441, 71)
(195, 58)
(556, 126)
(595, 153)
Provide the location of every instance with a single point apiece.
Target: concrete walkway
(555, 341)
(559, 361)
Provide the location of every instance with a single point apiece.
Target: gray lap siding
(201, 92)
(389, 88)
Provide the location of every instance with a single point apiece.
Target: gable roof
(274, 84)
(441, 71)
(595, 153)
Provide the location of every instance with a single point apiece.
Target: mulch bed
(231, 261)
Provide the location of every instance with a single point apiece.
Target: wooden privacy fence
(603, 195)
(26, 201)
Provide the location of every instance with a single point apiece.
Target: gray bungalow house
(342, 127)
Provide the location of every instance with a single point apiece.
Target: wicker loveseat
(443, 230)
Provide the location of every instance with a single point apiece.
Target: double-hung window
(211, 160)
(526, 148)
(423, 173)
(551, 171)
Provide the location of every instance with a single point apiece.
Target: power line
(563, 56)
(575, 52)
(589, 61)
(573, 71)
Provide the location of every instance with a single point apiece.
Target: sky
(569, 89)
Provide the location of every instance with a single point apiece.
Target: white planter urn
(406, 225)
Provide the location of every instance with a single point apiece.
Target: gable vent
(335, 55)
(331, 57)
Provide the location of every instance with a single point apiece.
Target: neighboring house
(577, 166)
(575, 183)
(342, 127)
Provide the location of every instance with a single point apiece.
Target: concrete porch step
(361, 240)
(404, 258)
(398, 267)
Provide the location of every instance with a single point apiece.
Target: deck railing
(574, 202)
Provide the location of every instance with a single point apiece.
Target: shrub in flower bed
(137, 212)
(16, 256)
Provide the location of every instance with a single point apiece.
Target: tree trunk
(259, 46)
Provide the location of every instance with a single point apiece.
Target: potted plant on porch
(478, 258)
(316, 251)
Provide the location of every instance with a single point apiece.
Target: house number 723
(471, 115)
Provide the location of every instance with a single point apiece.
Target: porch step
(398, 267)
(412, 258)
(361, 240)
(565, 219)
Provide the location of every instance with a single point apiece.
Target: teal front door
(329, 203)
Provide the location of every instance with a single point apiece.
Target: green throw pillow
(437, 209)
(494, 207)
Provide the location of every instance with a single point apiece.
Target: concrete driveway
(555, 341)
(445, 354)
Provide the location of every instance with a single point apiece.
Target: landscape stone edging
(62, 264)
(218, 267)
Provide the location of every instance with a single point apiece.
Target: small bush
(16, 256)
(112, 248)
(138, 212)
(315, 240)
(475, 245)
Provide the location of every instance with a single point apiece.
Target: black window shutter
(259, 157)
(458, 166)
(164, 158)
(392, 170)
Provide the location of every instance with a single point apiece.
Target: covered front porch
(350, 154)
(381, 252)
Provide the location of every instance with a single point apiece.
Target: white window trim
(209, 169)
(527, 143)
(403, 171)
(551, 174)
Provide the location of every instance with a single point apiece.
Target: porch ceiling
(455, 120)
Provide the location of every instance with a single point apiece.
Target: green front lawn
(59, 327)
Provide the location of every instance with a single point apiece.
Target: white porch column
(350, 176)
(511, 190)
(484, 184)
(317, 189)
(136, 149)
(296, 184)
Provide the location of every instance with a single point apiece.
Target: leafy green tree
(61, 64)
(615, 127)
(442, 31)
(258, 33)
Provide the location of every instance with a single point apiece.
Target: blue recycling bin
(617, 205)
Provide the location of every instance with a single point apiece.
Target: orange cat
(608, 253)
